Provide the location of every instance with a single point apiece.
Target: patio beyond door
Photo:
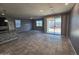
(54, 25)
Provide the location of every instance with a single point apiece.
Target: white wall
(75, 21)
(11, 24)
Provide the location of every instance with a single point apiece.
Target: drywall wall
(34, 27)
(74, 30)
(11, 24)
(25, 25)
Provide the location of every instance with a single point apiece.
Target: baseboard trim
(8, 40)
(72, 46)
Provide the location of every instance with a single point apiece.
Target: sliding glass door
(54, 25)
(50, 25)
(57, 25)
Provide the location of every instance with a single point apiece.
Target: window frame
(17, 22)
(39, 23)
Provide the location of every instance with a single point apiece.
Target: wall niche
(3, 24)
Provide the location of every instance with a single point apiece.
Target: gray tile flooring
(7, 36)
(37, 43)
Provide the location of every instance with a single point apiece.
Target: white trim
(8, 40)
(72, 46)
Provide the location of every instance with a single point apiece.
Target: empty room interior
(39, 29)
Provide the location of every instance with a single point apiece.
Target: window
(39, 23)
(18, 23)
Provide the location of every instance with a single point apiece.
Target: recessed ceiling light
(3, 14)
(66, 4)
(41, 10)
(51, 8)
(31, 17)
(5, 20)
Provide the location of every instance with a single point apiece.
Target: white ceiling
(28, 10)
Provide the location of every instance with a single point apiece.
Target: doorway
(54, 25)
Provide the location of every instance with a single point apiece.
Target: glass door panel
(54, 25)
(50, 25)
(57, 25)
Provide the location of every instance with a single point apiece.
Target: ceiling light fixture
(41, 10)
(3, 13)
(66, 4)
(31, 17)
(5, 20)
(51, 8)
